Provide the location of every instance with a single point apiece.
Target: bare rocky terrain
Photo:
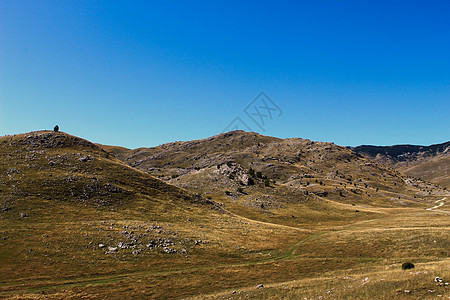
(266, 172)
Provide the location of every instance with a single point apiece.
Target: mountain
(266, 177)
(73, 214)
(430, 163)
(237, 215)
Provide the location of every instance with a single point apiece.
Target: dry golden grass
(304, 248)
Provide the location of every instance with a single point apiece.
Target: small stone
(84, 158)
(112, 249)
(24, 215)
(101, 245)
(260, 286)
(122, 245)
(169, 250)
(407, 291)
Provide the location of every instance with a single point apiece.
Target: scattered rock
(112, 249)
(84, 158)
(122, 245)
(24, 215)
(260, 286)
(101, 245)
(169, 250)
(437, 279)
(235, 172)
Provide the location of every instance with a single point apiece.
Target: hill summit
(225, 216)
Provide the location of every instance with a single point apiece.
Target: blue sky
(142, 73)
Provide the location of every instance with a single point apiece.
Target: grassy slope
(74, 204)
(305, 177)
(63, 196)
(431, 163)
(435, 170)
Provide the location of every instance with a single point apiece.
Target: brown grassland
(66, 205)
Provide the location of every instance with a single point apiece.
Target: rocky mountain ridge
(426, 162)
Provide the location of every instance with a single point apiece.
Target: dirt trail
(439, 203)
(113, 278)
(266, 223)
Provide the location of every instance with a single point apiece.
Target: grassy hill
(285, 181)
(431, 163)
(72, 214)
(76, 221)
(435, 170)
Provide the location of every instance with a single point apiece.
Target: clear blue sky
(142, 73)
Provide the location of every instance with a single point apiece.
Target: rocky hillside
(61, 167)
(232, 211)
(267, 173)
(62, 196)
(70, 211)
(430, 163)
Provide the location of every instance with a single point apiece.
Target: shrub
(240, 190)
(174, 176)
(251, 172)
(259, 174)
(56, 128)
(228, 193)
(229, 164)
(266, 182)
(407, 266)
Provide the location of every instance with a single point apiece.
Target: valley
(234, 216)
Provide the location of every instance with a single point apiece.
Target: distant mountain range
(427, 162)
